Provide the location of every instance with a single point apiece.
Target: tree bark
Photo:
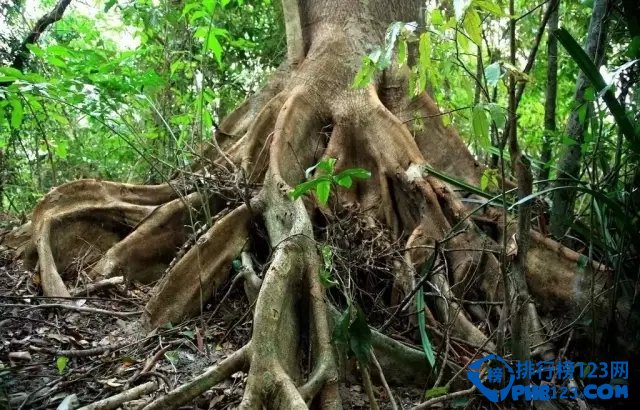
(550, 98)
(570, 161)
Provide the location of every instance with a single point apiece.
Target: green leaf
(189, 334)
(498, 114)
(402, 52)
(325, 279)
(61, 363)
(322, 191)
(436, 17)
(484, 181)
(480, 125)
(492, 8)
(303, 188)
(422, 325)
(358, 173)
(341, 332)
(365, 73)
(17, 113)
(172, 356)
(344, 181)
(327, 165)
(109, 4)
(424, 49)
(360, 337)
(61, 149)
(214, 45)
(436, 392)
(493, 72)
(53, 60)
(473, 26)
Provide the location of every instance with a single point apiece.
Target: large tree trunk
(260, 153)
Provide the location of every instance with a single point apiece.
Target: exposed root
(271, 139)
(114, 402)
(144, 254)
(205, 267)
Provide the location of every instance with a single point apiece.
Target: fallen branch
(96, 286)
(116, 401)
(71, 307)
(436, 400)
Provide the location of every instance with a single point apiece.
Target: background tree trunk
(570, 161)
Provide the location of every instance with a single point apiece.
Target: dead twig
(96, 286)
(72, 307)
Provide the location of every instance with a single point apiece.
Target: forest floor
(57, 353)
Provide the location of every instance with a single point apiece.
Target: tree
(308, 113)
(570, 159)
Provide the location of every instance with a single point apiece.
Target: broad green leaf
(61, 149)
(327, 165)
(344, 181)
(322, 190)
(473, 26)
(436, 17)
(484, 181)
(17, 113)
(61, 363)
(303, 188)
(357, 173)
(209, 5)
(214, 45)
(402, 52)
(172, 356)
(59, 51)
(53, 60)
(365, 73)
(493, 8)
(424, 49)
(493, 72)
(480, 125)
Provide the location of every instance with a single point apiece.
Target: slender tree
(570, 162)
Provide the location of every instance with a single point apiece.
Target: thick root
(191, 282)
